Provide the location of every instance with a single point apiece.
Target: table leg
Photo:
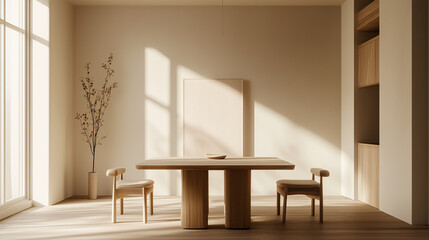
(195, 196)
(237, 198)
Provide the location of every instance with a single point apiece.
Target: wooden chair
(123, 188)
(311, 188)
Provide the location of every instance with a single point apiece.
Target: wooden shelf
(368, 63)
(369, 144)
(368, 18)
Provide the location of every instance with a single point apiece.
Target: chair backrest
(320, 172)
(115, 171)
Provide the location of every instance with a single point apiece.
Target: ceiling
(208, 2)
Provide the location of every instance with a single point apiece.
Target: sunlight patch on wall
(157, 118)
(347, 178)
(157, 130)
(40, 101)
(157, 77)
(157, 103)
(40, 121)
(276, 135)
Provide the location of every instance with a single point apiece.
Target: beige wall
(395, 108)
(62, 125)
(289, 58)
(403, 110)
(347, 99)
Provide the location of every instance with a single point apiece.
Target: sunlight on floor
(86, 219)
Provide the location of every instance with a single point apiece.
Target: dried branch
(97, 101)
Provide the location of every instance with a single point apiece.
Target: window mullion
(2, 115)
(2, 109)
(28, 9)
(3, 122)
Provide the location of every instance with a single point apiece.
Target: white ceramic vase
(92, 185)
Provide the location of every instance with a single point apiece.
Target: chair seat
(298, 183)
(121, 184)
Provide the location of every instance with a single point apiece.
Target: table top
(256, 163)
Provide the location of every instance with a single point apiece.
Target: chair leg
(144, 205)
(312, 207)
(278, 204)
(113, 209)
(122, 206)
(284, 208)
(321, 208)
(151, 203)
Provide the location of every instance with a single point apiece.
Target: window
(13, 99)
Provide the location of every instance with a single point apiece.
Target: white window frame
(24, 202)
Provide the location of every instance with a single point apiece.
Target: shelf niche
(367, 100)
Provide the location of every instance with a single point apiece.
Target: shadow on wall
(292, 88)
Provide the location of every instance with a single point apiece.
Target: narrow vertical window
(13, 97)
(2, 117)
(14, 114)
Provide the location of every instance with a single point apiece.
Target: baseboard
(86, 196)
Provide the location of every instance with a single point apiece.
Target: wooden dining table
(195, 193)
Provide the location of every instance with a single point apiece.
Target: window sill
(14, 207)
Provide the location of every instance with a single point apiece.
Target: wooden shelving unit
(367, 100)
(368, 18)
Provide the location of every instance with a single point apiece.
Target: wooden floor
(90, 219)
